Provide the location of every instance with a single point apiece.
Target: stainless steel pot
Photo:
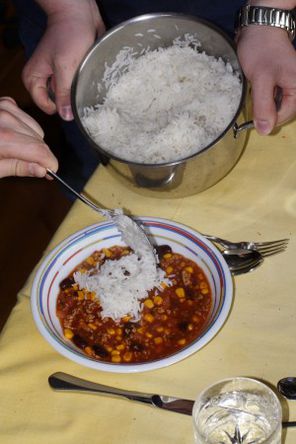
(189, 175)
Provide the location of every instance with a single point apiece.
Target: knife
(63, 382)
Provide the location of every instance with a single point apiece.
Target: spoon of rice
(131, 232)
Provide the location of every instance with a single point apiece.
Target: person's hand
(22, 149)
(268, 60)
(69, 34)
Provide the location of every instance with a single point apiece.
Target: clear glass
(237, 411)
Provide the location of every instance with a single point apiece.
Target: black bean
(137, 346)
(100, 351)
(79, 341)
(67, 283)
(128, 329)
(161, 250)
(183, 325)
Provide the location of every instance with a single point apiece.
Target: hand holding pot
(268, 59)
(72, 27)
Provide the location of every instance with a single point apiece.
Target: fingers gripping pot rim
(172, 179)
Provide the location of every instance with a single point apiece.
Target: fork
(267, 248)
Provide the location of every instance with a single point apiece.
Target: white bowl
(76, 248)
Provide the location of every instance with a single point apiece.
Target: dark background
(31, 209)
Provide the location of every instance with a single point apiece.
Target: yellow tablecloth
(257, 200)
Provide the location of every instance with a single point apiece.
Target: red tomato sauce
(170, 319)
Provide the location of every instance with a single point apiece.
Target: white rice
(165, 105)
(121, 285)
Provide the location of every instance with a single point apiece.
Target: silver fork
(267, 248)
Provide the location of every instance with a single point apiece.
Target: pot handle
(278, 97)
(237, 129)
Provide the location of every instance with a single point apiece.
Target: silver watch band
(266, 16)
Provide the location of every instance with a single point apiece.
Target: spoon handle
(79, 195)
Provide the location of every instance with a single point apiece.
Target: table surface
(257, 201)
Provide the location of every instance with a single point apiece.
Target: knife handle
(64, 382)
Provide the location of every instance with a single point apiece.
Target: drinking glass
(237, 411)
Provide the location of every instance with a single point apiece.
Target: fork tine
(273, 251)
(271, 243)
(270, 247)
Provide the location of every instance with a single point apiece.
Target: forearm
(281, 4)
(61, 6)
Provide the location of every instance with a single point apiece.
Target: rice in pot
(165, 105)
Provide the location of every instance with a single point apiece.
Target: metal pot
(173, 179)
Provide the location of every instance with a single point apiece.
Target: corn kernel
(125, 252)
(205, 291)
(148, 317)
(140, 330)
(119, 331)
(126, 319)
(169, 270)
(158, 300)
(182, 341)
(120, 347)
(163, 285)
(203, 284)
(148, 303)
(92, 326)
(189, 269)
(127, 356)
(88, 351)
(116, 359)
(167, 255)
(111, 331)
(68, 333)
(80, 295)
(159, 329)
(115, 353)
(75, 287)
(107, 252)
(190, 327)
(148, 335)
(158, 340)
(90, 260)
(164, 317)
(180, 292)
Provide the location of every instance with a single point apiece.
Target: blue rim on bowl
(73, 250)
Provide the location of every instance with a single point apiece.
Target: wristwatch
(266, 16)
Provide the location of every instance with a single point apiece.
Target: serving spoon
(131, 232)
(135, 237)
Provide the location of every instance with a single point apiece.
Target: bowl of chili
(174, 321)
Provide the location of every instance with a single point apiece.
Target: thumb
(61, 85)
(264, 108)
